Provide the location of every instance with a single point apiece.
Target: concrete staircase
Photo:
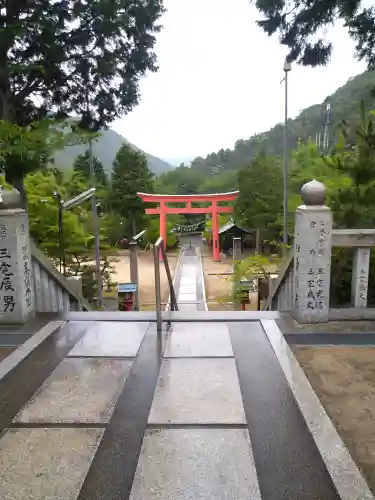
(93, 406)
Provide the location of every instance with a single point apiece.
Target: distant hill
(105, 149)
(345, 105)
(186, 160)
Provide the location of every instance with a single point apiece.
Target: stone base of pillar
(312, 264)
(16, 276)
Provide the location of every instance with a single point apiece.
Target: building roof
(232, 227)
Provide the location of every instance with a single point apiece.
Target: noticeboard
(126, 288)
(126, 296)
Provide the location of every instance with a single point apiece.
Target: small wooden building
(228, 232)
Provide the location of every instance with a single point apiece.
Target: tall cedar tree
(82, 166)
(353, 202)
(130, 175)
(260, 201)
(301, 27)
(81, 57)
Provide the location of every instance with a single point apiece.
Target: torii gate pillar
(214, 209)
(215, 234)
(163, 222)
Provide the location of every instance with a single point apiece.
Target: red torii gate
(214, 209)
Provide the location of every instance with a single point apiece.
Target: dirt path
(344, 380)
(146, 276)
(219, 287)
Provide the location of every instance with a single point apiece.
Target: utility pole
(94, 207)
(326, 129)
(96, 229)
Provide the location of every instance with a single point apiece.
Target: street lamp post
(286, 68)
(86, 195)
(59, 200)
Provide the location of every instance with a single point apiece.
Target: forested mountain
(105, 149)
(344, 106)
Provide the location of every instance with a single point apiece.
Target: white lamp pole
(286, 68)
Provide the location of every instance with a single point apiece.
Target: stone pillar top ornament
(313, 193)
(9, 198)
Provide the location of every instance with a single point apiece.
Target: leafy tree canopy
(261, 195)
(301, 26)
(82, 166)
(181, 180)
(81, 57)
(353, 201)
(153, 232)
(130, 175)
(25, 149)
(43, 215)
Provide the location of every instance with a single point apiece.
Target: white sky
(219, 80)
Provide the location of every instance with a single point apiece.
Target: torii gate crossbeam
(214, 209)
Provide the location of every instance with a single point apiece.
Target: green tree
(130, 175)
(77, 241)
(261, 196)
(83, 58)
(308, 163)
(301, 27)
(153, 232)
(82, 166)
(78, 55)
(222, 219)
(350, 178)
(27, 148)
(43, 215)
(353, 202)
(181, 180)
(76, 184)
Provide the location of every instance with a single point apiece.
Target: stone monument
(312, 256)
(16, 278)
(237, 249)
(361, 266)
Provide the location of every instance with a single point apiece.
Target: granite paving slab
(188, 280)
(186, 306)
(348, 480)
(187, 289)
(199, 340)
(189, 268)
(79, 390)
(45, 464)
(111, 338)
(288, 463)
(197, 391)
(199, 464)
(187, 297)
(112, 472)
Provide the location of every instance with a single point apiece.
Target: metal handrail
(160, 247)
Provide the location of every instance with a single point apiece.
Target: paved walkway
(90, 410)
(189, 282)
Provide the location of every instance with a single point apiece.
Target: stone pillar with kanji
(312, 256)
(16, 281)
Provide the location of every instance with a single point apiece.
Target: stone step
(93, 410)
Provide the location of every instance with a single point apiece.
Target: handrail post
(172, 293)
(159, 324)
(133, 248)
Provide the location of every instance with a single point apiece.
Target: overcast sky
(219, 80)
